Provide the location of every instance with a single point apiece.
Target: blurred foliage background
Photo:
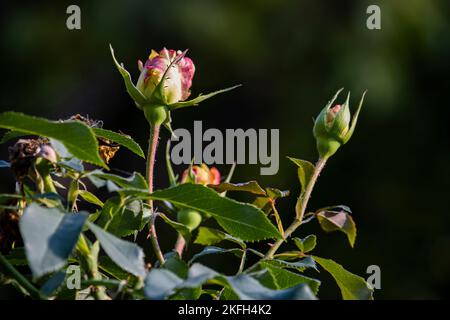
(291, 56)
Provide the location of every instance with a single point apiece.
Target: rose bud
(190, 218)
(163, 85)
(178, 79)
(334, 126)
(201, 175)
(198, 175)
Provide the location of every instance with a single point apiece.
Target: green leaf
(214, 250)
(179, 227)
(338, 221)
(299, 265)
(90, 197)
(110, 267)
(208, 236)
(286, 279)
(136, 180)
(305, 172)
(241, 220)
(121, 139)
(53, 283)
(49, 237)
(251, 186)
(306, 244)
(77, 137)
(248, 288)
(12, 134)
(352, 286)
(121, 218)
(126, 255)
(129, 219)
(161, 283)
(199, 99)
(176, 265)
(134, 93)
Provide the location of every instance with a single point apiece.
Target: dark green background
(290, 56)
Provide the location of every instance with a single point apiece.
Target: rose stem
(179, 245)
(299, 218)
(153, 144)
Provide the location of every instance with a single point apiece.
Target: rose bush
(56, 220)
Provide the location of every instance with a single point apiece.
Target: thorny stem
(151, 155)
(299, 218)
(32, 290)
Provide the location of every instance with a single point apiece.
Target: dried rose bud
(334, 126)
(23, 154)
(107, 149)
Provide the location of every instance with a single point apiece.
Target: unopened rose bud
(190, 218)
(334, 126)
(166, 78)
(178, 80)
(198, 175)
(201, 175)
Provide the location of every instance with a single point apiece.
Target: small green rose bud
(334, 126)
(190, 218)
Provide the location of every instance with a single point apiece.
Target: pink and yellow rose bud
(201, 175)
(334, 126)
(178, 80)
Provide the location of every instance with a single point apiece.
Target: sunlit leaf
(241, 220)
(208, 236)
(121, 139)
(251, 186)
(306, 244)
(77, 137)
(338, 221)
(352, 286)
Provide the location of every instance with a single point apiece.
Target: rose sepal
(134, 92)
(200, 98)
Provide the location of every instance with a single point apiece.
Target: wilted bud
(48, 153)
(107, 149)
(23, 154)
(334, 126)
(178, 80)
(201, 175)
